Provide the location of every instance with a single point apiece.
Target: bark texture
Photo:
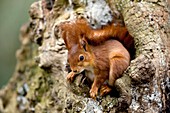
(39, 82)
(147, 21)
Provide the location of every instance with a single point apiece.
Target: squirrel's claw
(105, 89)
(93, 93)
(70, 76)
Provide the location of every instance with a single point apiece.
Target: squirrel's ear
(83, 44)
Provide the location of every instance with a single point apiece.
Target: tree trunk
(39, 81)
(147, 23)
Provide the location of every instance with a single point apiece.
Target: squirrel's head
(80, 57)
(73, 33)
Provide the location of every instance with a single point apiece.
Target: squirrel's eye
(81, 57)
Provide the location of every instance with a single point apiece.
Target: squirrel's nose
(75, 71)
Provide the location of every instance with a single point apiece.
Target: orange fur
(96, 36)
(106, 61)
(103, 59)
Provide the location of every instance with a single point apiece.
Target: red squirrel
(106, 61)
(102, 61)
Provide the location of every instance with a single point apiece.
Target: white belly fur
(90, 74)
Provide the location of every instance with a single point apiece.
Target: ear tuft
(83, 43)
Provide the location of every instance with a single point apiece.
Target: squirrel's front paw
(70, 76)
(93, 93)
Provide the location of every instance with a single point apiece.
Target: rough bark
(39, 84)
(147, 21)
